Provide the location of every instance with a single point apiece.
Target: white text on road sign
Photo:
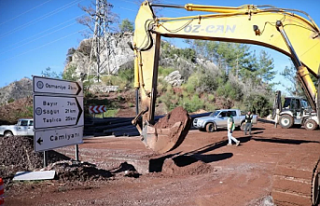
(56, 86)
(52, 111)
(54, 138)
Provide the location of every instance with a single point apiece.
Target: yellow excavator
(280, 29)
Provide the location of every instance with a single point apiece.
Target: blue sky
(36, 34)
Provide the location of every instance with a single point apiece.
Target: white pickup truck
(24, 127)
(219, 119)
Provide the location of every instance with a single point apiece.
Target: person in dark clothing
(248, 120)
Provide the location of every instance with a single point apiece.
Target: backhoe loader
(294, 111)
(280, 29)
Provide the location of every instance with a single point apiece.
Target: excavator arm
(268, 26)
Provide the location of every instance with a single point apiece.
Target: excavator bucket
(168, 133)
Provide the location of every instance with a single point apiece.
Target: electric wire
(44, 45)
(38, 38)
(130, 2)
(38, 34)
(42, 17)
(127, 9)
(24, 12)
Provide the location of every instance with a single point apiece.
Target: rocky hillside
(122, 57)
(110, 61)
(16, 90)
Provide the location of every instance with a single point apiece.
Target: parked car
(24, 127)
(218, 119)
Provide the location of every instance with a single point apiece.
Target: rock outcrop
(16, 90)
(120, 55)
(111, 59)
(174, 78)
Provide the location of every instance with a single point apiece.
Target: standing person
(248, 120)
(230, 130)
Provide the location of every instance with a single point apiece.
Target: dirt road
(202, 171)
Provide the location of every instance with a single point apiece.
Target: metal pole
(45, 159)
(77, 152)
(137, 101)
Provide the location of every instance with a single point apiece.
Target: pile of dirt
(68, 170)
(126, 170)
(176, 115)
(17, 154)
(171, 130)
(182, 166)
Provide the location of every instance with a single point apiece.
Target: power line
(38, 38)
(45, 44)
(25, 12)
(23, 40)
(130, 2)
(42, 17)
(127, 9)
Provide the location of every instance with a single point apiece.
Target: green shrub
(69, 74)
(169, 89)
(194, 79)
(10, 100)
(164, 71)
(169, 99)
(185, 93)
(208, 82)
(258, 104)
(193, 104)
(25, 113)
(208, 106)
(162, 86)
(116, 81)
(229, 90)
(189, 88)
(111, 113)
(192, 83)
(126, 74)
(221, 91)
(210, 97)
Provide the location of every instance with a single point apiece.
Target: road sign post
(58, 113)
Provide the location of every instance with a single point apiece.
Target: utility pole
(99, 34)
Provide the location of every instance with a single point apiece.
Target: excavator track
(296, 179)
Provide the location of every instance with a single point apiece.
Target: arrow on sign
(40, 141)
(97, 109)
(56, 86)
(58, 137)
(80, 111)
